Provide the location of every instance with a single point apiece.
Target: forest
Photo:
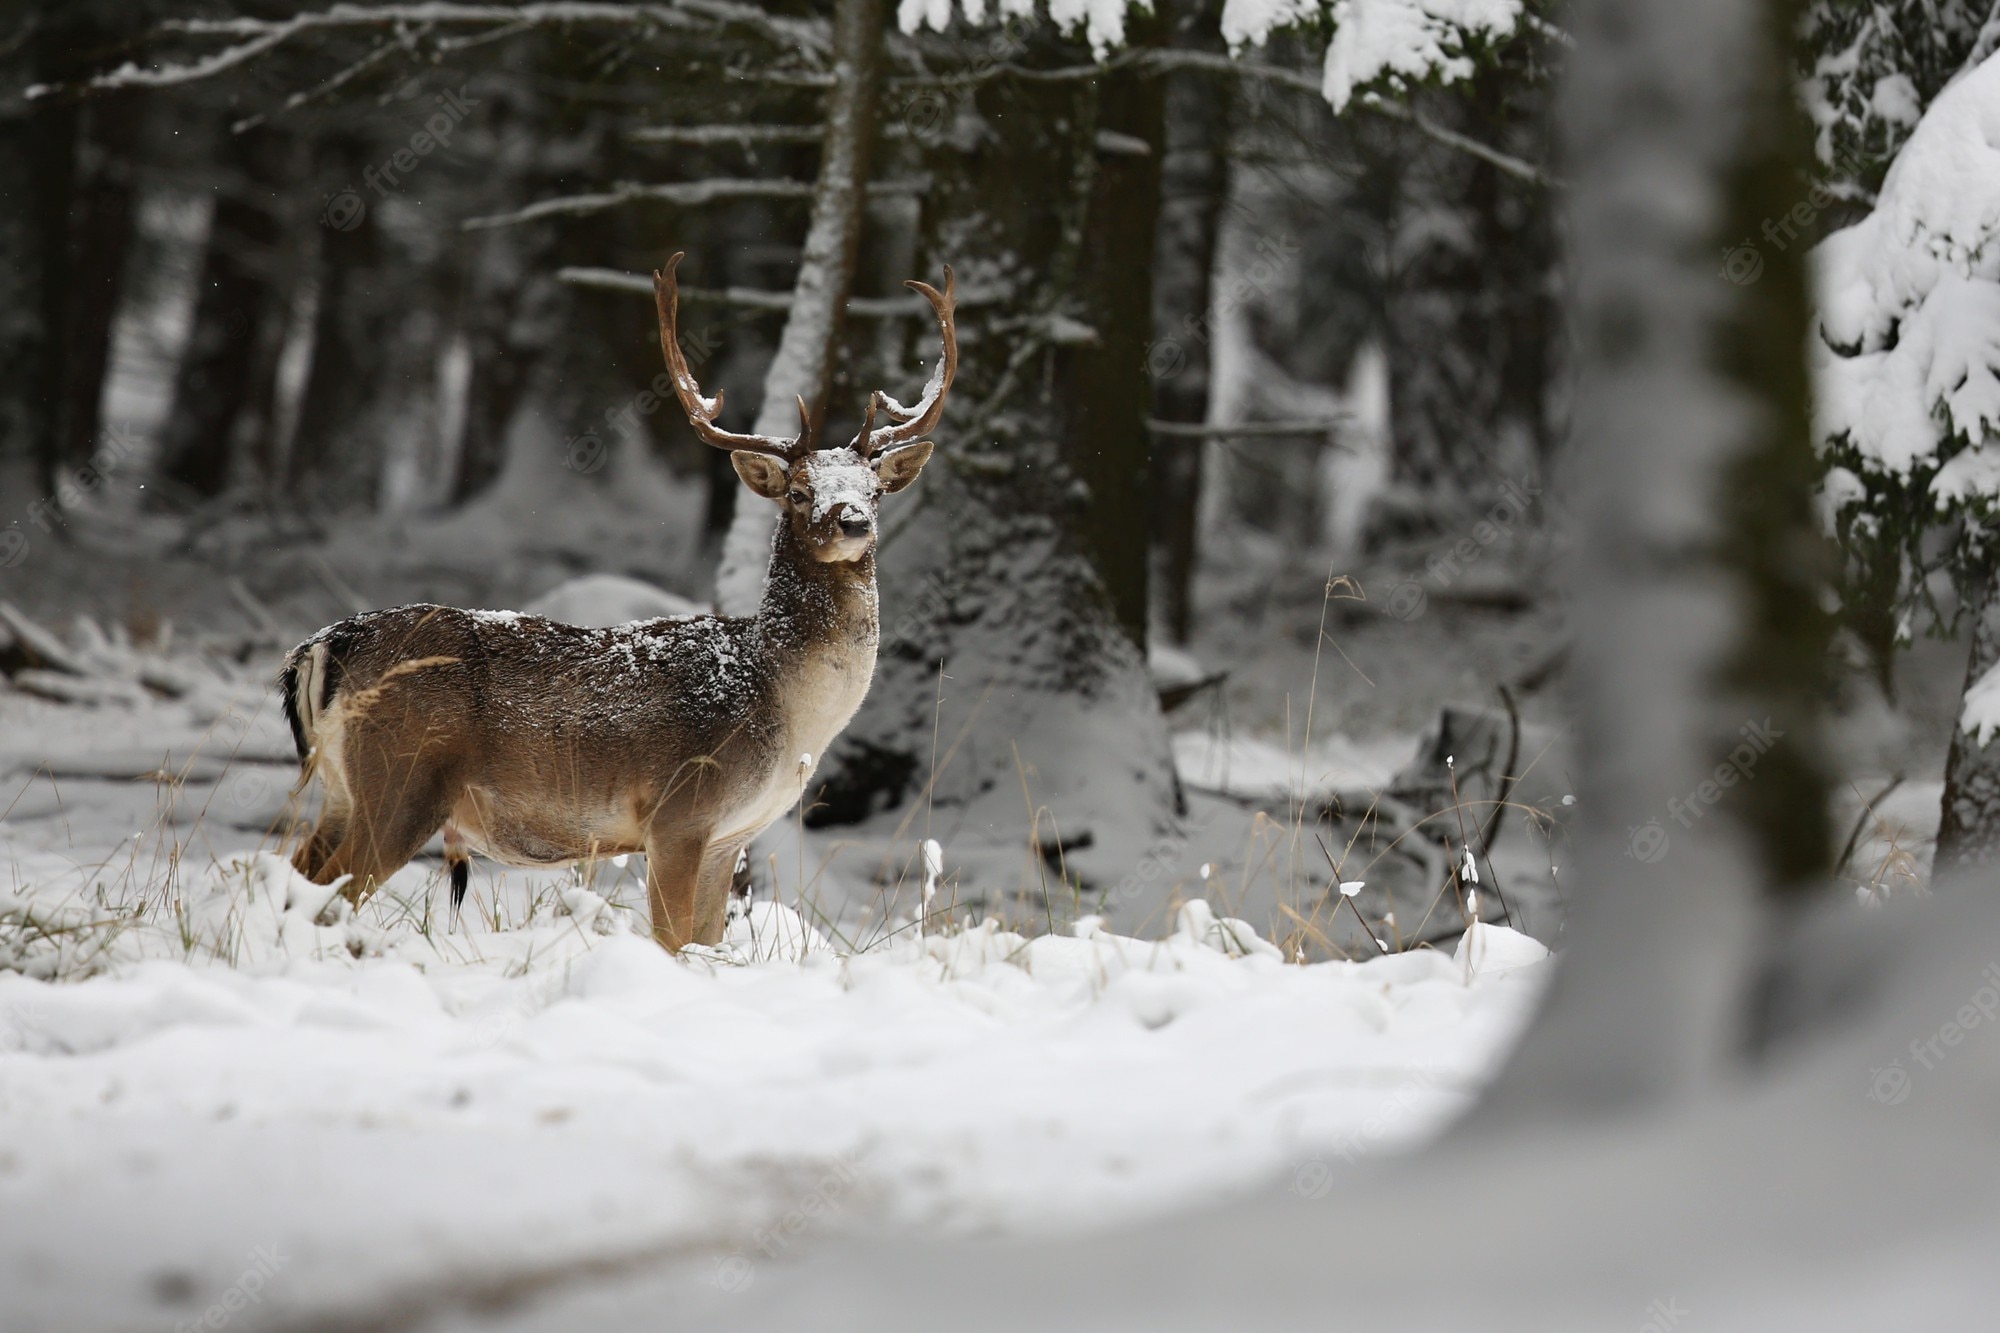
(1021, 663)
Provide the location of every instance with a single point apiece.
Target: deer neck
(818, 622)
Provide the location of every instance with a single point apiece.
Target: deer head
(829, 495)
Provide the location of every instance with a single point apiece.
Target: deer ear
(899, 467)
(761, 473)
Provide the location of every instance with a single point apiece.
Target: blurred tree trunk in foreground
(1702, 788)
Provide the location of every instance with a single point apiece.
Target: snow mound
(395, 1103)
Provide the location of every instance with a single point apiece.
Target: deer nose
(853, 524)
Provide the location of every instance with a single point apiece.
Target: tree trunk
(1969, 823)
(37, 183)
(803, 365)
(1195, 182)
(502, 289)
(1104, 384)
(222, 387)
(990, 598)
(104, 224)
(1700, 782)
(336, 458)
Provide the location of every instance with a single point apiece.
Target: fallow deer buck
(537, 743)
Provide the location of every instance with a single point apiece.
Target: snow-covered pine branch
(1908, 338)
(1871, 69)
(1380, 49)
(1386, 46)
(1906, 356)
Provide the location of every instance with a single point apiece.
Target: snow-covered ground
(214, 1107)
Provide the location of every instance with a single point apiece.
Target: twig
(1861, 822)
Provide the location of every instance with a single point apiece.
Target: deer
(540, 744)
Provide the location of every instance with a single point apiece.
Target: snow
(840, 482)
(1909, 329)
(1979, 718)
(1376, 43)
(385, 1106)
(1249, 766)
(1387, 43)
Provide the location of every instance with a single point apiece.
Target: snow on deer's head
(829, 496)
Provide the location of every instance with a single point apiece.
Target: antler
(701, 412)
(913, 423)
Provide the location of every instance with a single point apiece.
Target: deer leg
(673, 874)
(319, 845)
(711, 899)
(383, 833)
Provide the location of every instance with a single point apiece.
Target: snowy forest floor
(373, 1122)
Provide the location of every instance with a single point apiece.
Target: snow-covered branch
(1292, 78)
(1245, 430)
(722, 134)
(684, 193)
(750, 298)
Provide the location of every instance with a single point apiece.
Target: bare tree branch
(402, 41)
(807, 37)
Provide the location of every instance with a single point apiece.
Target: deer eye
(798, 498)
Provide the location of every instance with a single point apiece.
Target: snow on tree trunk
(803, 366)
(1699, 781)
(1969, 826)
(1046, 703)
